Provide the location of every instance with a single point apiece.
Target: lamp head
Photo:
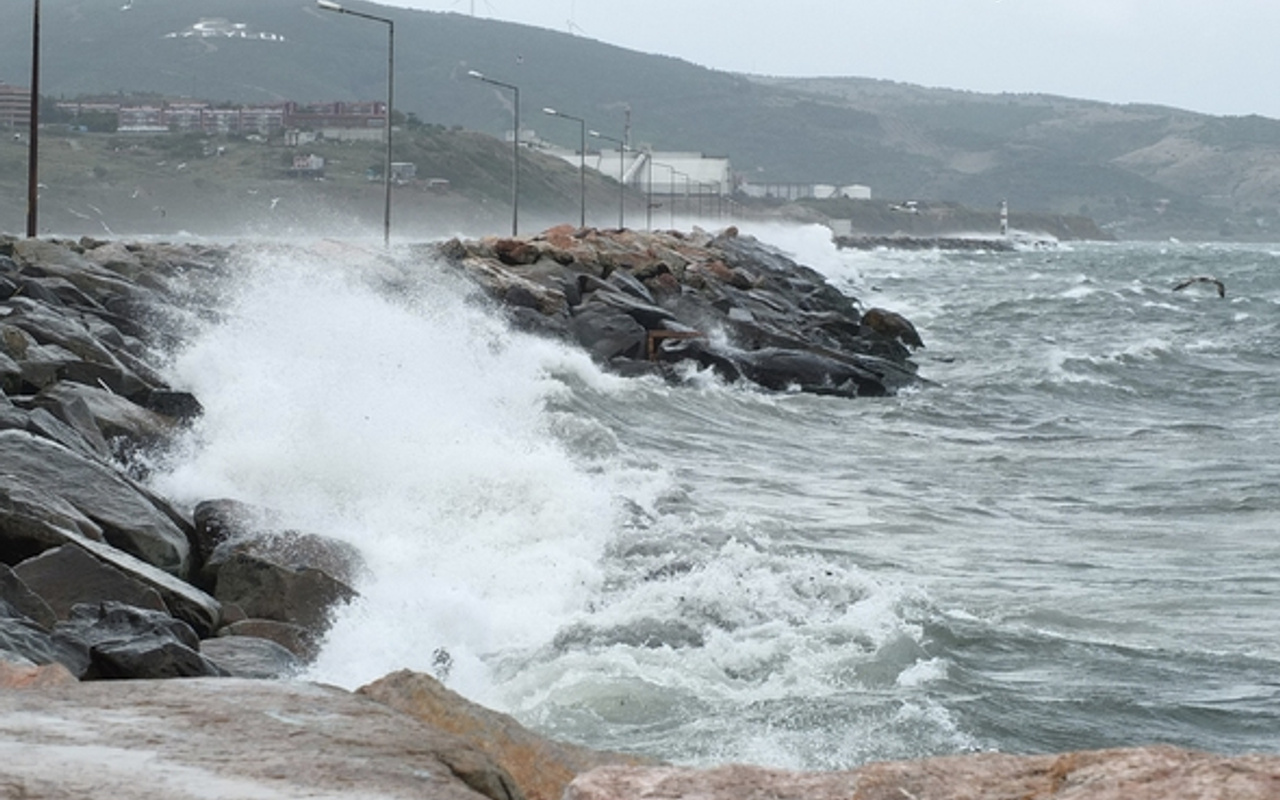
(477, 75)
(328, 5)
(551, 111)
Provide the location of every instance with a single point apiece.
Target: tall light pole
(329, 5)
(622, 185)
(582, 161)
(515, 153)
(33, 143)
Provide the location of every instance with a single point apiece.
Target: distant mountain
(1140, 170)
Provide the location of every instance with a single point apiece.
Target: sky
(1212, 56)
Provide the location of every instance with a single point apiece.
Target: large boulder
(68, 576)
(250, 657)
(540, 767)
(266, 589)
(231, 738)
(129, 642)
(130, 517)
(24, 641)
(32, 521)
(1149, 773)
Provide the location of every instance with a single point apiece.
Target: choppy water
(1070, 540)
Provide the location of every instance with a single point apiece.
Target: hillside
(1141, 171)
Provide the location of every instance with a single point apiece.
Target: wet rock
(296, 639)
(32, 521)
(227, 738)
(130, 517)
(250, 657)
(67, 576)
(263, 588)
(135, 643)
(23, 601)
(33, 676)
(776, 322)
(24, 641)
(1152, 773)
(539, 767)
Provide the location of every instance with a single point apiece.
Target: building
(332, 120)
(805, 191)
(15, 106)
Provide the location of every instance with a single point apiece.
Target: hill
(1141, 171)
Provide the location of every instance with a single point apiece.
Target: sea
(1068, 537)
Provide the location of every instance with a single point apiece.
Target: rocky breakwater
(98, 574)
(653, 302)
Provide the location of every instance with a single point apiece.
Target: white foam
(414, 428)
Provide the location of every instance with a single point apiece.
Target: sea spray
(410, 423)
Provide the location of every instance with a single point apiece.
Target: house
(15, 106)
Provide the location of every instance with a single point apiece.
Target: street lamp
(515, 154)
(582, 161)
(622, 186)
(328, 5)
(33, 145)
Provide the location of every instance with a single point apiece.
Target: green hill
(1138, 170)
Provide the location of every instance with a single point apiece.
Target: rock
(1151, 773)
(111, 416)
(296, 639)
(199, 610)
(250, 657)
(129, 642)
(32, 521)
(608, 332)
(228, 738)
(67, 576)
(43, 676)
(128, 515)
(892, 325)
(24, 641)
(728, 283)
(23, 601)
(304, 596)
(540, 767)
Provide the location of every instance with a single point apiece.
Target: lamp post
(33, 143)
(582, 161)
(329, 5)
(515, 153)
(622, 186)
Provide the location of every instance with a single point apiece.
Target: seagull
(1222, 290)
(274, 202)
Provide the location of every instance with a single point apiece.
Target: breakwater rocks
(98, 573)
(103, 576)
(649, 302)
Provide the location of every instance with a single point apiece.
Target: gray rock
(129, 642)
(296, 639)
(24, 640)
(94, 411)
(24, 601)
(250, 657)
(68, 576)
(130, 517)
(32, 521)
(303, 596)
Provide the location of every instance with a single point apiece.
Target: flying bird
(1222, 289)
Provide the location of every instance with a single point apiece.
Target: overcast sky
(1215, 56)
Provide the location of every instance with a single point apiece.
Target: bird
(1222, 289)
